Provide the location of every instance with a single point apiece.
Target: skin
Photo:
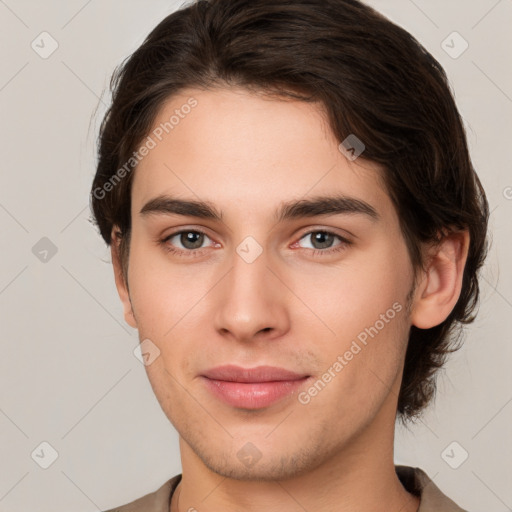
(247, 154)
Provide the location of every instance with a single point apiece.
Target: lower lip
(252, 395)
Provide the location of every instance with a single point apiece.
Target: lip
(252, 388)
(233, 373)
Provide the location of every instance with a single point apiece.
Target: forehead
(247, 150)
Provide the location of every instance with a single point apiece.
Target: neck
(359, 476)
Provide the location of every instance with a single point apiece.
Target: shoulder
(417, 482)
(156, 501)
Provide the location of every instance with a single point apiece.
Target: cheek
(357, 380)
(345, 299)
(163, 298)
(365, 326)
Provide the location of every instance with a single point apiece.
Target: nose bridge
(249, 268)
(251, 298)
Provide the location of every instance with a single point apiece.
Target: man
(296, 230)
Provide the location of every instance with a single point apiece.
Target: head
(248, 108)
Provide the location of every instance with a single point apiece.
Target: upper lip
(234, 373)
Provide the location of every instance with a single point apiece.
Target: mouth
(252, 388)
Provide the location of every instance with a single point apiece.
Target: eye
(189, 242)
(185, 241)
(323, 241)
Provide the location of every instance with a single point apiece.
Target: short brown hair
(376, 82)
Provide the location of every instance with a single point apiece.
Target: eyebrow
(311, 207)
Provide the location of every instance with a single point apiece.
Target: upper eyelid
(186, 230)
(333, 231)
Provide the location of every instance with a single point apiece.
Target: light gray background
(68, 374)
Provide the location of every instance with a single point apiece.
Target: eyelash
(191, 253)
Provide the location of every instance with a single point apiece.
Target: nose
(251, 301)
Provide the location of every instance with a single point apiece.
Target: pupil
(191, 238)
(320, 237)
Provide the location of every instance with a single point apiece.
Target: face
(318, 292)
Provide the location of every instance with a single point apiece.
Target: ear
(441, 283)
(121, 279)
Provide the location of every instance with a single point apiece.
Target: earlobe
(120, 279)
(441, 282)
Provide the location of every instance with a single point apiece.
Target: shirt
(415, 481)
